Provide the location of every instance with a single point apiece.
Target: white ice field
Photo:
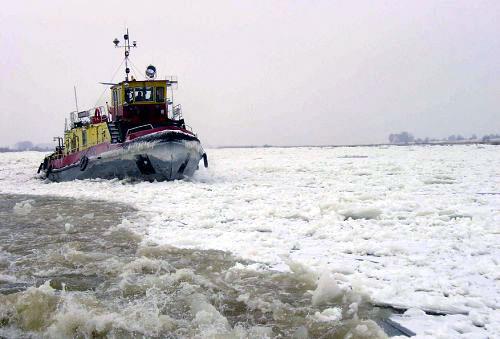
(417, 228)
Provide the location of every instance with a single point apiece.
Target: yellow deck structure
(81, 138)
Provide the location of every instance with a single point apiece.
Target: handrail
(177, 112)
(89, 114)
(138, 128)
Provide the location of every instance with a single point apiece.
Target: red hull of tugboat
(73, 158)
(156, 154)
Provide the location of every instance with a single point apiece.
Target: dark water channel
(70, 269)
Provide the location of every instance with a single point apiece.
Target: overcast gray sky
(262, 72)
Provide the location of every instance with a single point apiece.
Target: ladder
(114, 132)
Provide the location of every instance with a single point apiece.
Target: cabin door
(115, 101)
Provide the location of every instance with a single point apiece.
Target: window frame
(128, 99)
(144, 89)
(162, 88)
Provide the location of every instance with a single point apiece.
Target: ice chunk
(477, 318)
(329, 314)
(413, 312)
(327, 290)
(302, 273)
(353, 310)
(366, 329)
(145, 265)
(361, 213)
(23, 207)
(69, 228)
(207, 318)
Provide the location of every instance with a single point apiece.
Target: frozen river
(414, 228)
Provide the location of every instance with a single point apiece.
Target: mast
(76, 99)
(126, 46)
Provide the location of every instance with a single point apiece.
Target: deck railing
(177, 112)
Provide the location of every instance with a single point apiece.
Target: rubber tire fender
(84, 161)
(205, 160)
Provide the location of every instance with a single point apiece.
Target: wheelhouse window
(160, 94)
(129, 95)
(143, 94)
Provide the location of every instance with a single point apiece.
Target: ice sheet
(414, 227)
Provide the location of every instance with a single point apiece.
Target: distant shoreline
(436, 143)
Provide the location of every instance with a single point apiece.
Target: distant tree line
(22, 146)
(401, 138)
(404, 138)
(491, 137)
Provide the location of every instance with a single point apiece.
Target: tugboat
(140, 135)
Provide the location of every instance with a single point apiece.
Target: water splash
(101, 280)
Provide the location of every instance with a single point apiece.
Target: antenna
(76, 99)
(126, 46)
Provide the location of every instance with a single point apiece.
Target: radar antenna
(126, 45)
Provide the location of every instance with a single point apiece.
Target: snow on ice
(416, 228)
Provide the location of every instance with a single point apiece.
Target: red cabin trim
(138, 134)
